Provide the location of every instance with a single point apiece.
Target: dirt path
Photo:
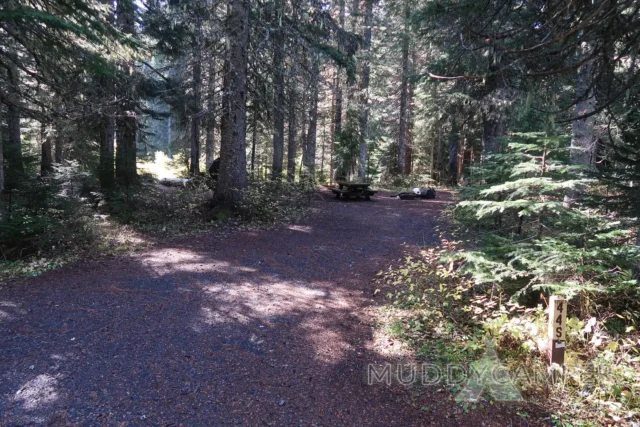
(260, 328)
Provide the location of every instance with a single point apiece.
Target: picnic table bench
(353, 189)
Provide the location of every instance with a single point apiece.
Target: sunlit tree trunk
(233, 159)
(194, 163)
(254, 135)
(2, 205)
(310, 152)
(408, 163)
(337, 118)
(364, 87)
(292, 149)
(303, 133)
(278, 86)
(453, 152)
(404, 95)
(209, 148)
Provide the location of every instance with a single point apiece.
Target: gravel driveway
(255, 328)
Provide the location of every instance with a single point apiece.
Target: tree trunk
(492, 130)
(337, 121)
(254, 137)
(582, 130)
(126, 122)
(59, 147)
(46, 159)
(106, 137)
(291, 145)
(14, 142)
(194, 164)
(453, 153)
(364, 87)
(303, 132)
(13, 148)
(432, 160)
(404, 84)
(233, 159)
(492, 118)
(2, 204)
(583, 141)
(126, 130)
(310, 152)
(408, 162)
(278, 83)
(211, 115)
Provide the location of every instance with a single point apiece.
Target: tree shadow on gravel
(260, 328)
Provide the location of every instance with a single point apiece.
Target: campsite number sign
(557, 329)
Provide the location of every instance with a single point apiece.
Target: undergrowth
(406, 182)
(58, 219)
(448, 318)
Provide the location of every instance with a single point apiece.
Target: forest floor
(268, 327)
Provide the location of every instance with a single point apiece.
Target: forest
(125, 122)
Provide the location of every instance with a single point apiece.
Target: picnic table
(348, 189)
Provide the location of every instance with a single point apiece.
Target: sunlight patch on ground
(8, 304)
(383, 342)
(168, 261)
(247, 303)
(302, 228)
(280, 298)
(38, 392)
(8, 310)
(329, 346)
(212, 317)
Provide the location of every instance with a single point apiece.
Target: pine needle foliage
(531, 240)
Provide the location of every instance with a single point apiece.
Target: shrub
(271, 201)
(402, 183)
(446, 317)
(151, 207)
(47, 214)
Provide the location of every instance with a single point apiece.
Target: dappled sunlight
(38, 392)
(269, 303)
(274, 299)
(172, 260)
(302, 228)
(329, 344)
(199, 322)
(210, 317)
(9, 311)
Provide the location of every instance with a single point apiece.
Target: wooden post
(557, 329)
